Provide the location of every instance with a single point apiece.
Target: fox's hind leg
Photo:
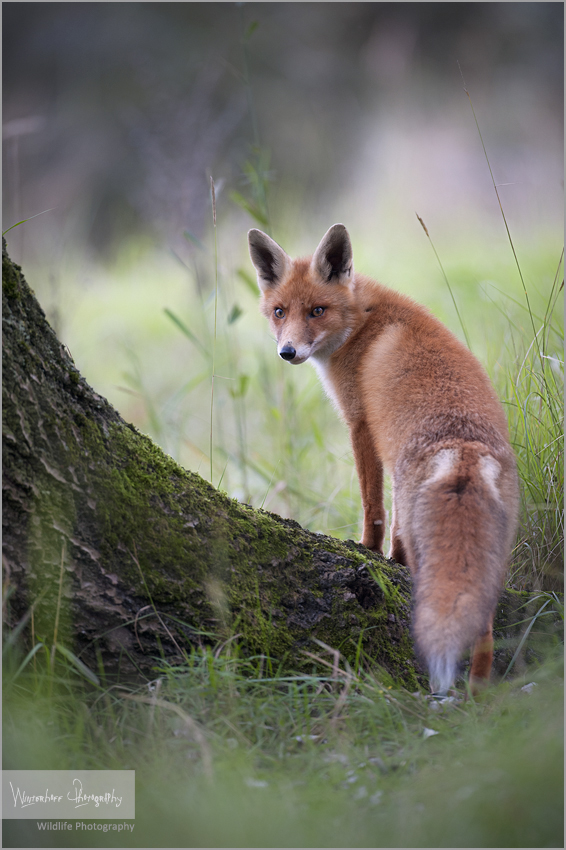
(370, 476)
(396, 551)
(482, 658)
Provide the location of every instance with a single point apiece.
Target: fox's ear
(269, 259)
(333, 259)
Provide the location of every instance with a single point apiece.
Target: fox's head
(310, 303)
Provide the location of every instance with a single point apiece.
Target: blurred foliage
(117, 113)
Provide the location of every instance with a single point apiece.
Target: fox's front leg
(370, 475)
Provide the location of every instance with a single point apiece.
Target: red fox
(418, 404)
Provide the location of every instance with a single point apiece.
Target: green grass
(227, 756)
(534, 400)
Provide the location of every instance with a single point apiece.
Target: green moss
(168, 534)
(11, 277)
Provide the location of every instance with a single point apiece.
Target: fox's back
(414, 378)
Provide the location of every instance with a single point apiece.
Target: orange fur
(418, 404)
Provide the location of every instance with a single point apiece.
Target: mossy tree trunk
(152, 558)
(131, 558)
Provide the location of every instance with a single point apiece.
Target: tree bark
(129, 561)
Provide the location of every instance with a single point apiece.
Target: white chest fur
(322, 367)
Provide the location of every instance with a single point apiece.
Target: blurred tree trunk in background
(123, 557)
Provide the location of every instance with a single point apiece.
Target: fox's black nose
(287, 352)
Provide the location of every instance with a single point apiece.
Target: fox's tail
(462, 525)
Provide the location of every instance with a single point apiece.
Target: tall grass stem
(500, 204)
(424, 227)
(58, 610)
(213, 197)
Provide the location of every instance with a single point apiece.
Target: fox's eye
(279, 313)
(318, 311)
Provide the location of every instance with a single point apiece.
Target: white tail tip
(442, 672)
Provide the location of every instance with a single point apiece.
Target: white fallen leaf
(256, 783)
(427, 733)
(360, 793)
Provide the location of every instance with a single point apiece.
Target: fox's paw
(397, 552)
(370, 543)
(373, 535)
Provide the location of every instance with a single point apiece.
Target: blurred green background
(116, 116)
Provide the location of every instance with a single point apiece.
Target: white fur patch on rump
(489, 471)
(443, 464)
